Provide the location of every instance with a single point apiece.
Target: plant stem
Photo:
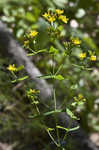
(69, 124)
(37, 109)
(14, 74)
(57, 131)
(54, 98)
(53, 139)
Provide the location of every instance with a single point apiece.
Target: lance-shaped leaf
(20, 79)
(57, 77)
(46, 113)
(20, 68)
(39, 51)
(71, 114)
(68, 129)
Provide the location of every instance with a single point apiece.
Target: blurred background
(16, 128)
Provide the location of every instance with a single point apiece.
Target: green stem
(54, 99)
(53, 64)
(14, 74)
(53, 139)
(37, 109)
(60, 67)
(69, 124)
(57, 131)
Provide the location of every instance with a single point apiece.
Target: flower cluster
(93, 58)
(53, 16)
(32, 94)
(30, 36)
(49, 17)
(59, 11)
(32, 91)
(83, 55)
(78, 100)
(76, 41)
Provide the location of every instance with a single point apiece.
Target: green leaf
(40, 51)
(46, 114)
(20, 68)
(52, 112)
(35, 102)
(60, 3)
(60, 67)
(75, 128)
(19, 33)
(82, 67)
(91, 43)
(67, 129)
(80, 102)
(20, 79)
(46, 77)
(53, 50)
(74, 104)
(71, 114)
(31, 54)
(60, 127)
(29, 16)
(50, 129)
(59, 77)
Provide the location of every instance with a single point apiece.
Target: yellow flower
(33, 91)
(93, 58)
(63, 18)
(33, 33)
(51, 19)
(46, 15)
(12, 68)
(82, 55)
(80, 96)
(76, 41)
(59, 12)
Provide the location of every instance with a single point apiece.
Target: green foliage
(70, 113)
(66, 129)
(19, 79)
